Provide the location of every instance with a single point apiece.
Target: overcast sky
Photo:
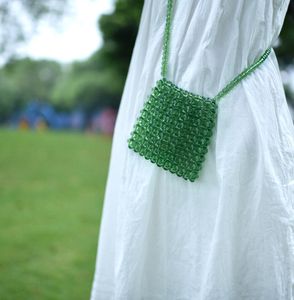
(76, 37)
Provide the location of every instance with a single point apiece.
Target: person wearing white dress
(230, 234)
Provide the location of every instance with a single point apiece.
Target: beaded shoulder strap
(231, 84)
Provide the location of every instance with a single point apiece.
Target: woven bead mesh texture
(174, 129)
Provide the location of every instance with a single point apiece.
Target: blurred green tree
(22, 80)
(119, 31)
(18, 19)
(88, 90)
(99, 81)
(285, 49)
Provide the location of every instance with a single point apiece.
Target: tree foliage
(100, 80)
(119, 30)
(18, 19)
(23, 80)
(88, 90)
(285, 51)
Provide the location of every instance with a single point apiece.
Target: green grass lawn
(51, 196)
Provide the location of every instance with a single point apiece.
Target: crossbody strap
(231, 84)
(166, 38)
(242, 75)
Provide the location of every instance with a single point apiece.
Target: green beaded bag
(175, 126)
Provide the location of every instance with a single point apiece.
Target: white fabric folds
(230, 234)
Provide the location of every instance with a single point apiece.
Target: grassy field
(51, 196)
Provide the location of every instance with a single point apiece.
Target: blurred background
(63, 65)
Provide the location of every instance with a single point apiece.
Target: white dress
(230, 234)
